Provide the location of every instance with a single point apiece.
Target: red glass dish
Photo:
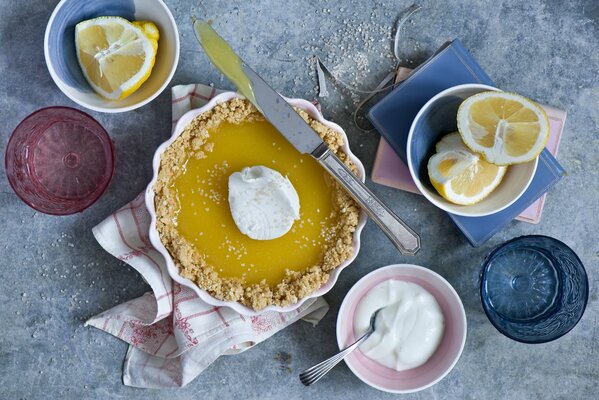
(59, 160)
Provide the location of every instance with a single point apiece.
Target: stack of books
(452, 65)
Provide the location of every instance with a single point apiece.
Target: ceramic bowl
(534, 289)
(61, 57)
(155, 237)
(438, 118)
(440, 363)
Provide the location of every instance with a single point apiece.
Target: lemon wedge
(116, 56)
(460, 175)
(505, 128)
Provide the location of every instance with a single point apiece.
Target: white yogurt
(409, 328)
(263, 203)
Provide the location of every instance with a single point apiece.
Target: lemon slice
(460, 175)
(505, 128)
(116, 56)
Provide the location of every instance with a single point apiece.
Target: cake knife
(291, 125)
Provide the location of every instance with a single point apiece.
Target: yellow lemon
(505, 128)
(460, 175)
(116, 56)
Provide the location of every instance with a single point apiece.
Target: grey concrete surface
(53, 275)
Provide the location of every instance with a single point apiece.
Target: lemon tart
(194, 219)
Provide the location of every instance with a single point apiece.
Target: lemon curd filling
(204, 218)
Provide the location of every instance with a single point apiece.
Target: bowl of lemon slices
(111, 55)
(473, 149)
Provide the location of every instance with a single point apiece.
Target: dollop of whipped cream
(408, 329)
(264, 203)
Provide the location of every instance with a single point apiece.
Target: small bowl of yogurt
(420, 331)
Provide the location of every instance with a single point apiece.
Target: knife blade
(292, 126)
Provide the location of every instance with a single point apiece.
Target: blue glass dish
(534, 289)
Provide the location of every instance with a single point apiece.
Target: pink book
(389, 169)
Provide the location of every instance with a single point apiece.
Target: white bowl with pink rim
(440, 363)
(155, 237)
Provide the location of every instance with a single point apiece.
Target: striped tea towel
(172, 334)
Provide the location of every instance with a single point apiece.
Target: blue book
(392, 116)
